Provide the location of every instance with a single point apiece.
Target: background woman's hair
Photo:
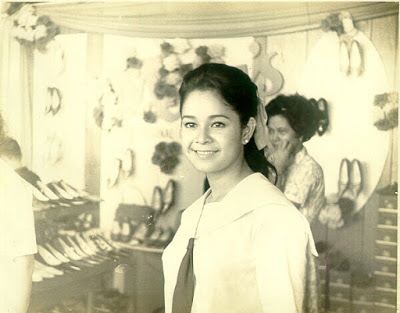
(302, 115)
(237, 89)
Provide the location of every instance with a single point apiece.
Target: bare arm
(23, 267)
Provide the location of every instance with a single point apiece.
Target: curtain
(203, 19)
(15, 89)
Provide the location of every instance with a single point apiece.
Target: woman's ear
(248, 130)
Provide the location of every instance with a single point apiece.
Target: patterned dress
(304, 185)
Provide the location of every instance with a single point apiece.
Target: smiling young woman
(242, 246)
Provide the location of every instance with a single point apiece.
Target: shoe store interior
(89, 99)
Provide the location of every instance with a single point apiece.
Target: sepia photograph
(199, 156)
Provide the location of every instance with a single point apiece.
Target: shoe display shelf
(385, 273)
(62, 269)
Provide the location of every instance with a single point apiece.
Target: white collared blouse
(249, 253)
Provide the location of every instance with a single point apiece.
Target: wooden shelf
(386, 289)
(387, 274)
(386, 210)
(386, 243)
(390, 227)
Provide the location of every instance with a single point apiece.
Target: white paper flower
(377, 114)
(31, 20)
(171, 63)
(180, 45)
(40, 32)
(17, 31)
(216, 51)
(23, 18)
(173, 78)
(188, 57)
(29, 34)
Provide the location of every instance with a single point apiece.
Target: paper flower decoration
(32, 30)
(166, 156)
(386, 110)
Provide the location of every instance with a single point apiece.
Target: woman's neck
(220, 185)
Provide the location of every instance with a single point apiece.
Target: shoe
(47, 257)
(344, 58)
(126, 232)
(116, 231)
(169, 193)
(141, 233)
(57, 254)
(356, 59)
(344, 172)
(356, 177)
(114, 173)
(323, 123)
(127, 163)
(59, 191)
(157, 200)
(55, 100)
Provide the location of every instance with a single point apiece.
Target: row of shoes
(59, 193)
(141, 233)
(71, 253)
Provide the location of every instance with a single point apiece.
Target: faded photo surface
(91, 130)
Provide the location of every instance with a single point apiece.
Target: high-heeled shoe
(356, 59)
(344, 172)
(157, 200)
(114, 171)
(168, 196)
(344, 57)
(356, 177)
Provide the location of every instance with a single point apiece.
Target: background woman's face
(211, 132)
(281, 132)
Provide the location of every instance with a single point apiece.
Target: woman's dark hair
(302, 115)
(237, 89)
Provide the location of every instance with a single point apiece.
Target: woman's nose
(203, 135)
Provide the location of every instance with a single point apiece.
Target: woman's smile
(205, 154)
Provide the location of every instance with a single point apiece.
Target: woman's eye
(218, 125)
(189, 125)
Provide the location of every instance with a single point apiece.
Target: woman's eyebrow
(218, 116)
(187, 116)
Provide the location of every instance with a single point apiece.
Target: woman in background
(292, 120)
(242, 246)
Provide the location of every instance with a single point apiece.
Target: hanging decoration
(166, 156)
(386, 110)
(177, 58)
(268, 79)
(32, 30)
(351, 54)
(107, 114)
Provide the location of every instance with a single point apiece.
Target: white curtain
(16, 89)
(203, 19)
